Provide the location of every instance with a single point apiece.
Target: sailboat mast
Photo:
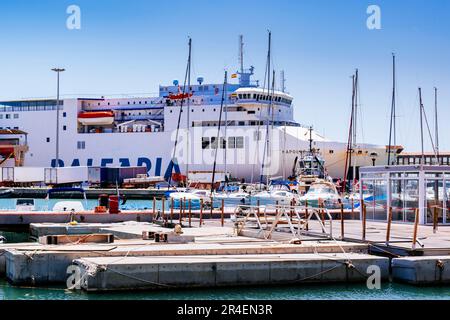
(225, 88)
(218, 144)
(355, 119)
(392, 129)
(436, 125)
(348, 158)
(174, 161)
(188, 151)
(271, 108)
(422, 161)
(266, 145)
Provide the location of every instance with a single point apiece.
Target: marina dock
(212, 255)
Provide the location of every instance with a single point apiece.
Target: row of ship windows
(8, 116)
(118, 103)
(16, 116)
(405, 160)
(263, 97)
(230, 109)
(233, 143)
(26, 107)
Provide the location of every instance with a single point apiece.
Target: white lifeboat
(97, 118)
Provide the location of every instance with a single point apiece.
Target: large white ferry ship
(141, 131)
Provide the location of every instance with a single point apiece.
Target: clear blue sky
(133, 46)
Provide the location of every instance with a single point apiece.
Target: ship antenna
(241, 52)
(283, 81)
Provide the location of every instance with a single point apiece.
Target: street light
(374, 157)
(58, 71)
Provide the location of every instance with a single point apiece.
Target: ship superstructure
(130, 131)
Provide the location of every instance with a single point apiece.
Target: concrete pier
(17, 219)
(425, 270)
(106, 274)
(47, 264)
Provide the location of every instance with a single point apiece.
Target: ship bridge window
(81, 145)
(231, 142)
(64, 128)
(205, 143)
(16, 115)
(8, 116)
(223, 143)
(239, 142)
(48, 139)
(64, 114)
(213, 143)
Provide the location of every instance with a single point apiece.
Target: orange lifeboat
(99, 118)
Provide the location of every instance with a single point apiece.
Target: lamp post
(374, 157)
(58, 71)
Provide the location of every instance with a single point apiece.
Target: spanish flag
(234, 76)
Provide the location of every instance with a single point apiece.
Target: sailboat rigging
(174, 161)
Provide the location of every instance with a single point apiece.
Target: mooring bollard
(416, 226)
(190, 213)
(342, 221)
(222, 213)
(201, 212)
(388, 231)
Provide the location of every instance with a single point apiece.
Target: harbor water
(388, 291)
